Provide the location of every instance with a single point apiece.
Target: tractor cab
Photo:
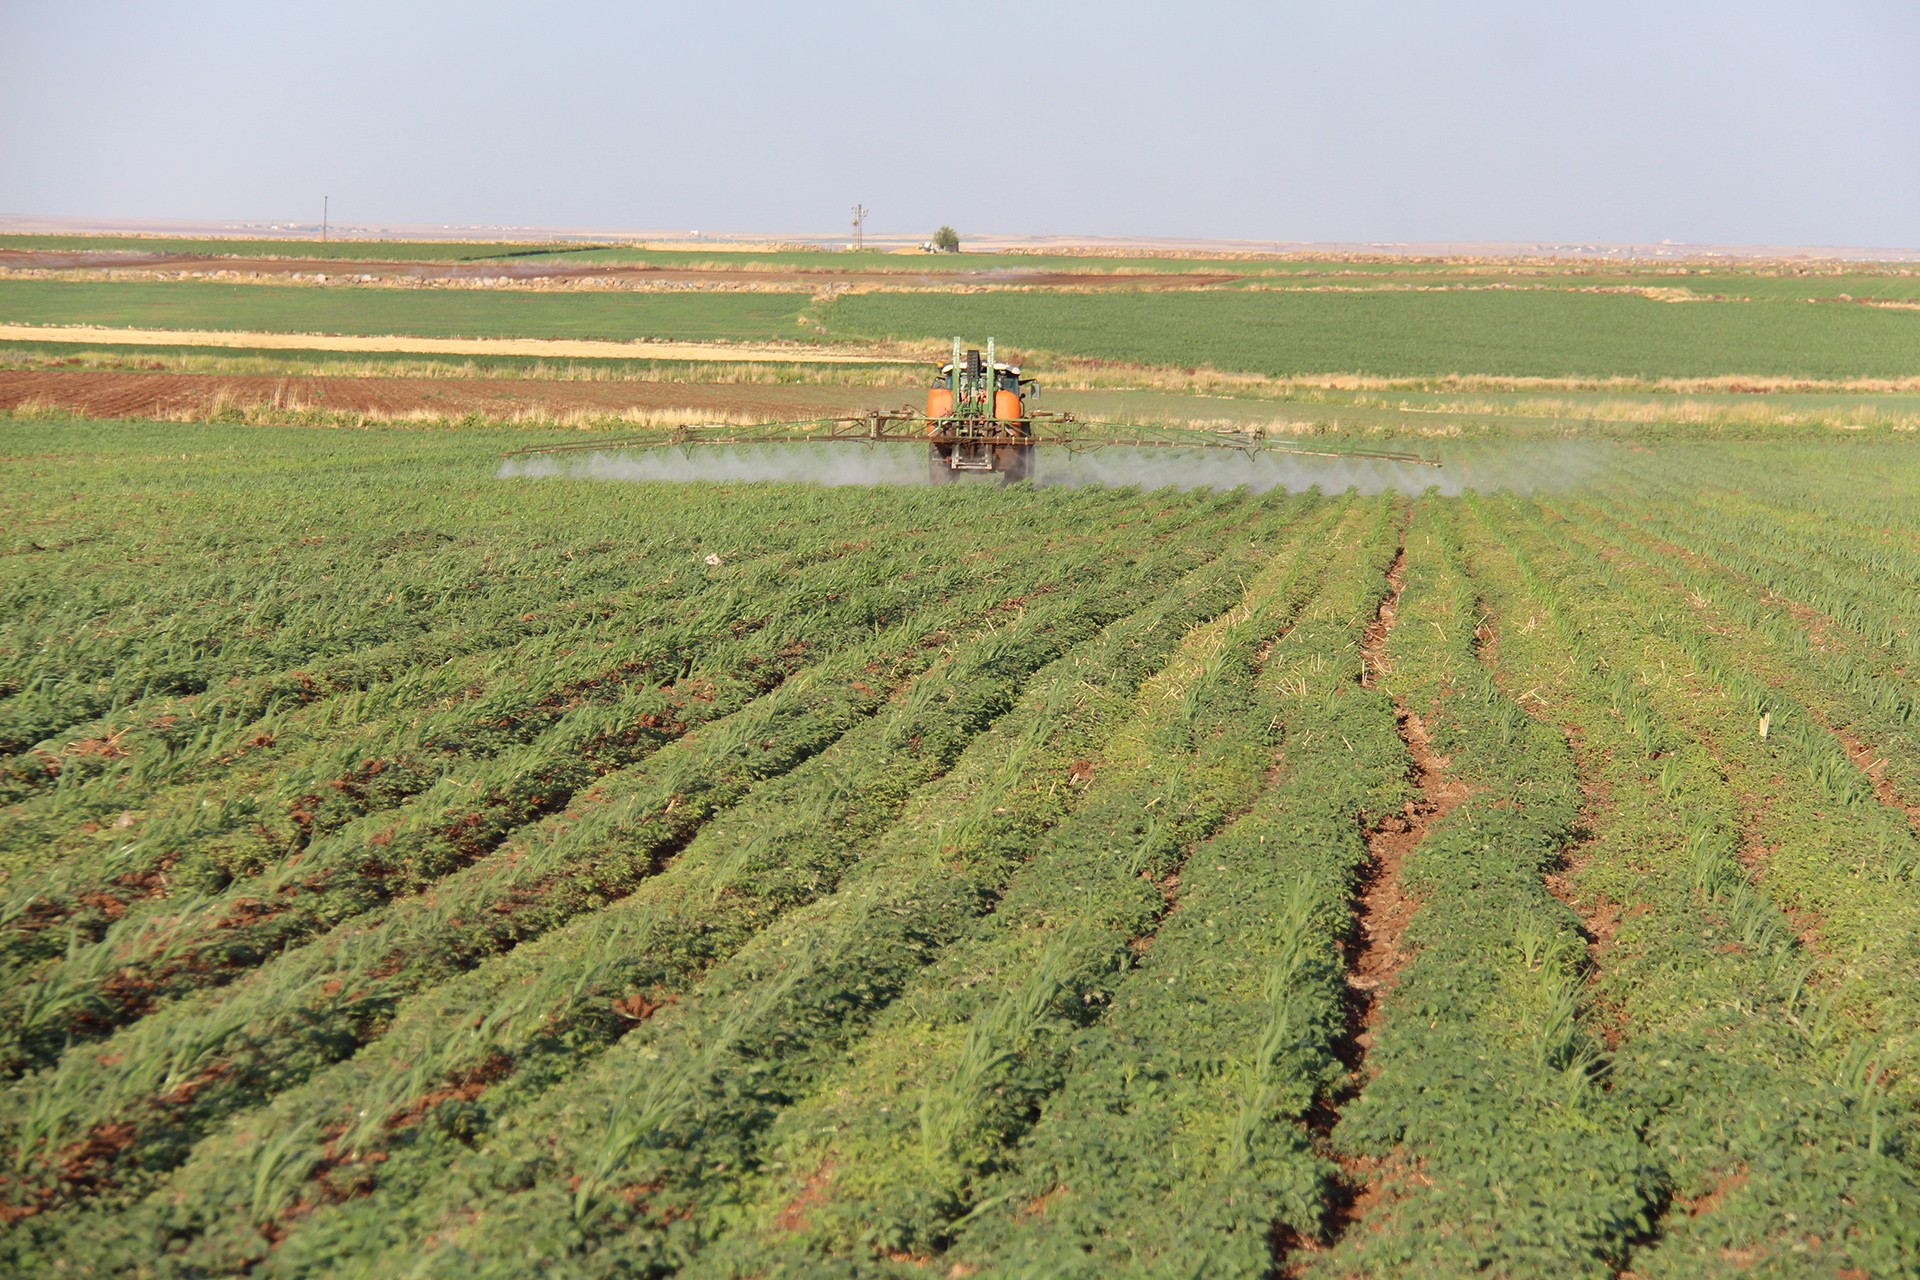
(977, 418)
(1006, 377)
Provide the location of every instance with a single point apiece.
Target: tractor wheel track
(1373, 955)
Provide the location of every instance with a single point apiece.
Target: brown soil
(1037, 1207)
(1598, 917)
(1486, 638)
(1598, 920)
(1870, 762)
(793, 1216)
(640, 1006)
(1820, 627)
(1369, 1201)
(1729, 1182)
(80, 1168)
(128, 395)
(465, 1086)
(1373, 641)
(1756, 855)
(1374, 957)
(629, 274)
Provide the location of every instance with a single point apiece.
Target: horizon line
(746, 241)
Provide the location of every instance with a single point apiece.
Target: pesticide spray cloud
(1484, 466)
(1518, 467)
(795, 464)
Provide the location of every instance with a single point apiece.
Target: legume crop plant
(411, 872)
(414, 863)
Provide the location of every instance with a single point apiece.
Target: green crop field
(1544, 332)
(1549, 333)
(1196, 863)
(415, 866)
(424, 313)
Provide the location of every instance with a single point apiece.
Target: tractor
(977, 418)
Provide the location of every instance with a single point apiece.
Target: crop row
(1178, 1137)
(1852, 676)
(1819, 838)
(1481, 1074)
(577, 865)
(893, 1147)
(541, 607)
(670, 1115)
(189, 939)
(545, 606)
(1412, 332)
(289, 587)
(350, 979)
(1765, 1116)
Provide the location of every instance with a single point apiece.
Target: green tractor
(978, 420)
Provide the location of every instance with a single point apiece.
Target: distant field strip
(1506, 333)
(423, 313)
(542, 347)
(1548, 334)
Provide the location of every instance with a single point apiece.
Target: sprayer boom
(1063, 431)
(979, 418)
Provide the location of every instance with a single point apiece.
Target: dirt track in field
(1385, 908)
(1374, 957)
(173, 395)
(630, 273)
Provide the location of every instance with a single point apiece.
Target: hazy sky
(1725, 121)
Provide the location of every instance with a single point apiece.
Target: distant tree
(947, 240)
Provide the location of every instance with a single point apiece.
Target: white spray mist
(1521, 467)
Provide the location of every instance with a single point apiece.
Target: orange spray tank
(939, 405)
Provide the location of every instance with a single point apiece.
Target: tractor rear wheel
(938, 469)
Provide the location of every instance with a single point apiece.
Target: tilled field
(412, 872)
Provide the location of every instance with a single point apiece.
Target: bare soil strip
(1870, 762)
(177, 395)
(1374, 957)
(1598, 917)
(555, 348)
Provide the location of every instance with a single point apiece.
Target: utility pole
(325, 202)
(859, 226)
